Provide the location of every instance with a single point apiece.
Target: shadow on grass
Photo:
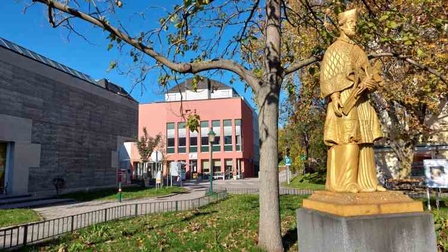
(99, 193)
(131, 192)
(289, 239)
(196, 214)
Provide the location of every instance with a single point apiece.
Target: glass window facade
(170, 141)
(182, 138)
(193, 141)
(204, 136)
(238, 134)
(227, 135)
(216, 124)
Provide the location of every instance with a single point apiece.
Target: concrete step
(11, 197)
(20, 199)
(37, 203)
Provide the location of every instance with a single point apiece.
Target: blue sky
(32, 31)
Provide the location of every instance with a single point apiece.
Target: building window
(228, 167)
(170, 138)
(204, 136)
(216, 165)
(227, 135)
(193, 141)
(217, 129)
(182, 138)
(238, 134)
(205, 166)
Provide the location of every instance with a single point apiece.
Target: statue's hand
(337, 104)
(369, 84)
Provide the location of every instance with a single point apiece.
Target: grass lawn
(295, 183)
(127, 193)
(230, 225)
(11, 217)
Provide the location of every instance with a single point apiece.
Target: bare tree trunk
(403, 145)
(269, 232)
(405, 155)
(269, 226)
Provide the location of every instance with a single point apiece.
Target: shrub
(314, 178)
(441, 226)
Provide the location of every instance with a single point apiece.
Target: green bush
(441, 226)
(313, 178)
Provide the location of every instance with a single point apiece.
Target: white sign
(174, 168)
(159, 177)
(156, 156)
(436, 173)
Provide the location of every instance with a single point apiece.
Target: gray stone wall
(76, 123)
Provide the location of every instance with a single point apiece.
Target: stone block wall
(78, 125)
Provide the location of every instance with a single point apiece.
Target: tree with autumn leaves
(301, 137)
(146, 144)
(413, 38)
(248, 38)
(408, 37)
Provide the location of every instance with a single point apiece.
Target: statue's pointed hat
(343, 16)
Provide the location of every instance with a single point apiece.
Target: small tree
(146, 144)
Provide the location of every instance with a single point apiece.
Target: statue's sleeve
(335, 70)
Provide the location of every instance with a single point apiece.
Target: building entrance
(193, 171)
(3, 149)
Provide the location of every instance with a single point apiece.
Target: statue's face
(349, 27)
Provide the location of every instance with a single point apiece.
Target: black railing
(282, 191)
(21, 235)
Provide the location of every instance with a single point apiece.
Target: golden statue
(351, 124)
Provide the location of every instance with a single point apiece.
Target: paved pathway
(197, 190)
(51, 212)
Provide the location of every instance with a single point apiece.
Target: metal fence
(282, 191)
(21, 235)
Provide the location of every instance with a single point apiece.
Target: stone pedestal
(380, 221)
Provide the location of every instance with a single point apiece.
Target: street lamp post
(211, 139)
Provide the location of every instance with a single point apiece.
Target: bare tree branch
(194, 67)
(371, 14)
(71, 29)
(51, 20)
(412, 62)
(296, 66)
(252, 11)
